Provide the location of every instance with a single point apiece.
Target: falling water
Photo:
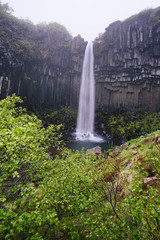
(86, 110)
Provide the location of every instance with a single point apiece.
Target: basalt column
(127, 64)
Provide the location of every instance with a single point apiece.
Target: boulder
(96, 150)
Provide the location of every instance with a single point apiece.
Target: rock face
(43, 64)
(127, 63)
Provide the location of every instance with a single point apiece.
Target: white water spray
(86, 110)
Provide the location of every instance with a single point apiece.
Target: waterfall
(86, 110)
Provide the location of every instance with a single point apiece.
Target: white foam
(88, 136)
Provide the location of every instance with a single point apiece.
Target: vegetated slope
(74, 195)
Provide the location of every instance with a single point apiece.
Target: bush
(24, 158)
(127, 125)
(64, 116)
(39, 197)
(73, 195)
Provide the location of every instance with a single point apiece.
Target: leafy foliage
(126, 126)
(21, 135)
(64, 116)
(73, 195)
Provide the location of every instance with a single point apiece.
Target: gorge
(48, 189)
(43, 64)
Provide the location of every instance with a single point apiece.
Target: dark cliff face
(127, 63)
(42, 63)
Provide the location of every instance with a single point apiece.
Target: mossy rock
(126, 181)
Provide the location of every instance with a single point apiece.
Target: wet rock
(124, 146)
(96, 150)
(117, 149)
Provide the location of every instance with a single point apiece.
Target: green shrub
(64, 116)
(126, 126)
(73, 195)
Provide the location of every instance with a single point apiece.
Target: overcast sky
(85, 17)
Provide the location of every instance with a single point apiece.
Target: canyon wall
(127, 64)
(43, 63)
